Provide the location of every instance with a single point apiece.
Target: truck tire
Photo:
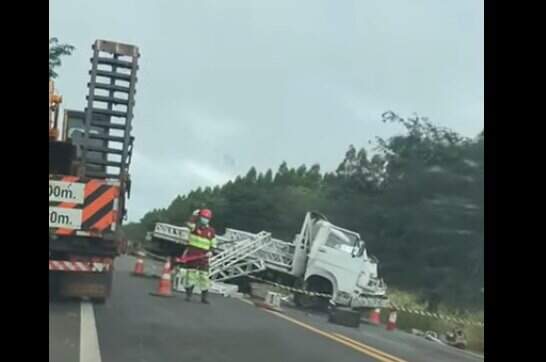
(344, 316)
(307, 301)
(99, 300)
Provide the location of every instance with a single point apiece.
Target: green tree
(283, 175)
(417, 201)
(56, 51)
(268, 178)
(251, 176)
(313, 177)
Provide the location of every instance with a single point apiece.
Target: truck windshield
(341, 240)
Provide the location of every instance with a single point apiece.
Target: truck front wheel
(313, 284)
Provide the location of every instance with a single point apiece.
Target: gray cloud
(226, 85)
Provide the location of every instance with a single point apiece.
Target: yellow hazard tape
(291, 289)
(393, 306)
(437, 316)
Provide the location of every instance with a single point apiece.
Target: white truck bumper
(370, 302)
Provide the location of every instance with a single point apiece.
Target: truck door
(335, 251)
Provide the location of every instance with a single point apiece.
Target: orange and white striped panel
(79, 266)
(76, 204)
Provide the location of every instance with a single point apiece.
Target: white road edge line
(89, 340)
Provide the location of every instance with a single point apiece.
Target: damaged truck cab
(333, 260)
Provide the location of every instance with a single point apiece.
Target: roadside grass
(407, 321)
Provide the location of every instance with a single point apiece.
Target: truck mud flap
(344, 316)
(96, 286)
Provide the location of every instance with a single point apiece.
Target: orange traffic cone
(391, 323)
(139, 267)
(165, 285)
(375, 317)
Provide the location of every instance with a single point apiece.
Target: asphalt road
(134, 326)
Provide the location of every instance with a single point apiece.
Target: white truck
(323, 258)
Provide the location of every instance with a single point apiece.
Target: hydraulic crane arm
(54, 102)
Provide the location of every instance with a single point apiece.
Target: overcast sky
(229, 84)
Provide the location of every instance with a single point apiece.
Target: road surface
(134, 326)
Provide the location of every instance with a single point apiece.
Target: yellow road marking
(346, 341)
(393, 358)
(335, 338)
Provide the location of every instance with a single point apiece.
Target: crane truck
(89, 181)
(322, 259)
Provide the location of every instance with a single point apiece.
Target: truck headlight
(362, 280)
(343, 298)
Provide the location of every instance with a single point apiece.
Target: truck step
(108, 112)
(101, 175)
(104, 163)
(109, 125)
(114, 62)
(107, 137)
(111, 87)
(112, 100)
(113, 75)
(116, 48)
(106, 150)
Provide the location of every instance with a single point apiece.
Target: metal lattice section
(277, 254)
(239, 258)
(242, 268)
(109, 111)
(241, 253)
